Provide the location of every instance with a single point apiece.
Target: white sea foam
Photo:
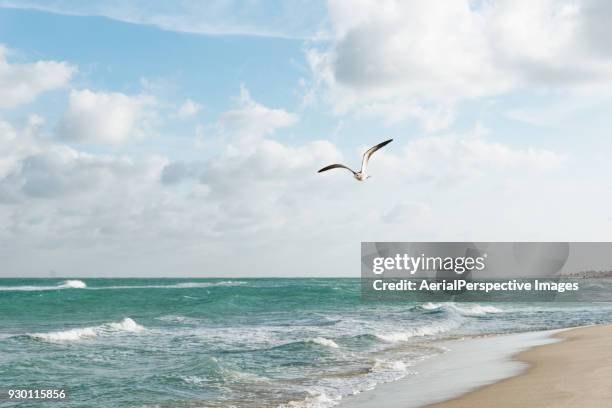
(322, 341)
(73, 283)
(321, 400)
(385, 365)
(384, 371)
(464, 309)
(76, 334)
(66, 335)
(431, 306)
(181, 285)
(67, 284)
(194, 380)
(176, 319)
(421, 331)
(78, 284)
(478, 310)
(127, 325)
(458, 314)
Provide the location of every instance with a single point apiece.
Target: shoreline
(550, 368)
(469, 363)
(572, 372)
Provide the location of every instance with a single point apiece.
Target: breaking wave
(181, 285)
(67, 284)
(322, 341)
(464, 309)
(76, 334)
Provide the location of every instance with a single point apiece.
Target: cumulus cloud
(179, 171)
(457, 158)
(188, 109)
(22, 83)
(260, 184)
(106, 117)
(252, 119)
(55, 196)
(424, 54)
(33, 167)
(259, 196)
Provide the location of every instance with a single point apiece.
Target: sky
(149, 138)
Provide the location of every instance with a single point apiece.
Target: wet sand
(576, 372)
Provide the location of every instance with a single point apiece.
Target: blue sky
(147, 139)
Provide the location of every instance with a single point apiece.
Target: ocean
(235, 342)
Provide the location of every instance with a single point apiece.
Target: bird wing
(335, 166)
(370, 152)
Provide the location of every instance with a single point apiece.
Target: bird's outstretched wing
(335, 166)
(370, 152)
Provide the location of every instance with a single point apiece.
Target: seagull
(363, 173)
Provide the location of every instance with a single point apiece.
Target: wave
(321, 400)
(457, 315)
(384, 366)
(127, 325)
(76, 334)
(73, 283)
(394, 337)
(79, 284)
(67, 284)
(464, 309)
(66, 335)
(322, 341)
(382, 371)
(194, 380)
(421, 331)
(179, 319)
(182, 285)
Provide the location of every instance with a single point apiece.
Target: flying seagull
(363, 173)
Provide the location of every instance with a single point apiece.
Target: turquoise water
(241, 343)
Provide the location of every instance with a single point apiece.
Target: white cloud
(61, 207)
(433, 117)
(422, 54)
(179, 171)
(294, 19)
(408, 212)
(454, 157)
(265, 187)
(56, 197)
(251, 119)
(106, 118)
(189, 109)
(34, 167)
(22, 83)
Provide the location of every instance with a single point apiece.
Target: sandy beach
(575, 372)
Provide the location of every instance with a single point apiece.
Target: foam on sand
(480, 361)
(320, 400)
(389, 365)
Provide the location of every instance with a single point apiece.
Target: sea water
(235, 342)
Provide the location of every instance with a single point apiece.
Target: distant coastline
(589, 275)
